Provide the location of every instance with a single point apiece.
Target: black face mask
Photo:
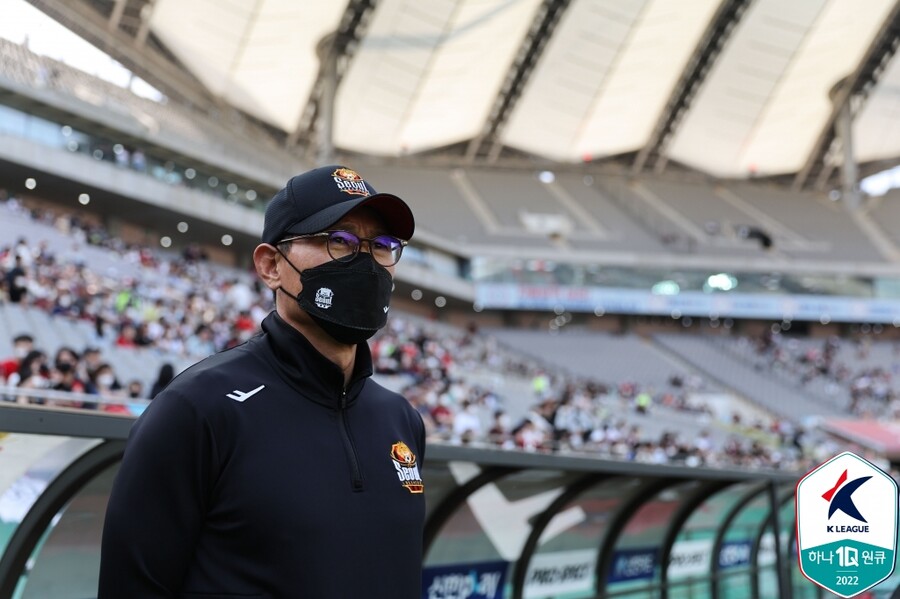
(349, 300)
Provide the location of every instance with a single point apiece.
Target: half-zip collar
(310, 373)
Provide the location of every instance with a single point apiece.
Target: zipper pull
(343, 399)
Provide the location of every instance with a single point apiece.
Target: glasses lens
(342, 245)
(386, 250)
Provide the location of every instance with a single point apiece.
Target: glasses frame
(348, 257)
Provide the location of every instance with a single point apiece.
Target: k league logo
(846, 525)
(841, 498)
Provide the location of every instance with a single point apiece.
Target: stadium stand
(886, 210)
(771, 395)
(239, 144)
(620, 232)
(451, 375)
(857, 377)
(442, 207)
(825, 224)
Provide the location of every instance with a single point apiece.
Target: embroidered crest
(405, 465)
(350, 182)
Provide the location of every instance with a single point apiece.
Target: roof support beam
(546, 19)
(328, 76)
(335, 51)
(151, 66)
(852, 92)
(140, 39)
(849, 170)
(116, 16)
(717, 33)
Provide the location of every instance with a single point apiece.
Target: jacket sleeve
(158, 501)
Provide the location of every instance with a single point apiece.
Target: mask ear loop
(297, 270)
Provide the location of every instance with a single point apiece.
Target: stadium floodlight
(667, 287)
(721, 282)
(84, 199)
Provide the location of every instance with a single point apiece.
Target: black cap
(313, 201)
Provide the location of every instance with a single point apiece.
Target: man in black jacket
(279, 469)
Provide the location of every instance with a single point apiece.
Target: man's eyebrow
(355, 229)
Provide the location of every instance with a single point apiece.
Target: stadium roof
(731, 88)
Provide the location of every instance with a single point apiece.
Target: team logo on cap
(323, 297)
(405, 465)
(349, 181)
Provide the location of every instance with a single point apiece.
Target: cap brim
(395, 213)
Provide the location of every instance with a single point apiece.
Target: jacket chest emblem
(407, 470)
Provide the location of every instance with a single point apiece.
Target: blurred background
(655, 277)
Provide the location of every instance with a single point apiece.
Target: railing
(455, 476)
(65, 399)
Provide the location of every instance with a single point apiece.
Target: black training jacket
(255, 474)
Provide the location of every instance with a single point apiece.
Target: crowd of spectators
(178, 305)
(566, 414)
(182, 307)
(89, 380)
(870, 389)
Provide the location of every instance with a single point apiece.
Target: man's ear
(265, 259)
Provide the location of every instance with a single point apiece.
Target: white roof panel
(722, 119)
(798, 110)
(605, 77)
(766, 100)
(426, 74)
(876, 131)
(260, 56)
(642, 81)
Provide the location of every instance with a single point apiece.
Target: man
(279, 469)
(17, 281)
(23, 344)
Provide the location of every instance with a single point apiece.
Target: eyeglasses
(343, 246)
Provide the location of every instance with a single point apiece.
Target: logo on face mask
(324, 297)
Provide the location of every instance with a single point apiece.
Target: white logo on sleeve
(324, 297)
(244, 395)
